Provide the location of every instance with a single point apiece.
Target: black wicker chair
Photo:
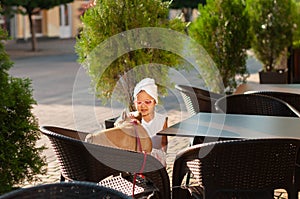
(291, 98)
(255, 104)
(236, 169)
(82, 190)
(82, 161)
(198, 100)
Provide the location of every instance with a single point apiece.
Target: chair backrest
(82, 161)
(65, 190)
(291, 98)
(255, 104)
(239, 168)
(198, 100)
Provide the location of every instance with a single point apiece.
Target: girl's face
(145, 104)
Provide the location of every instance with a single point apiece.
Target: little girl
(145, 100)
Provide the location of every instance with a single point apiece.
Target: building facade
(59, 22)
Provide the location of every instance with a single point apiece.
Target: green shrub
(222, 30)
(271, 26)
(20, 158)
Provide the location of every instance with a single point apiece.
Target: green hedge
(20, 158)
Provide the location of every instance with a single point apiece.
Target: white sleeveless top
(153, 127)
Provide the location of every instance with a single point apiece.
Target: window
(37, 18)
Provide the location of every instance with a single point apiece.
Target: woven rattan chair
(237, 169)
(291, 98)
(198, 100)
(82, 161)
(255, 104)
(65, 190)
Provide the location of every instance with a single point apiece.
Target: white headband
(148, 85)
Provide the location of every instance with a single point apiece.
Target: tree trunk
(32, 31)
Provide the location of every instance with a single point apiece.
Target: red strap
(138, 140)
(144, 161)
(141, 171)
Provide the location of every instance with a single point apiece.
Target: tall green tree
(222, 29)
(29, 8)
(108, 20)
(20, 159)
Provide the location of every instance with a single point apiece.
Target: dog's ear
(123, 117)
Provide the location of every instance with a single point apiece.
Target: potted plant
(21, 160)
(222, 29)
(112, 23)
(271, 27)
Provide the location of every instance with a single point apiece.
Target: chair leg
(293, 194)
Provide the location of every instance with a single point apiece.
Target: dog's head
(127, 117)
